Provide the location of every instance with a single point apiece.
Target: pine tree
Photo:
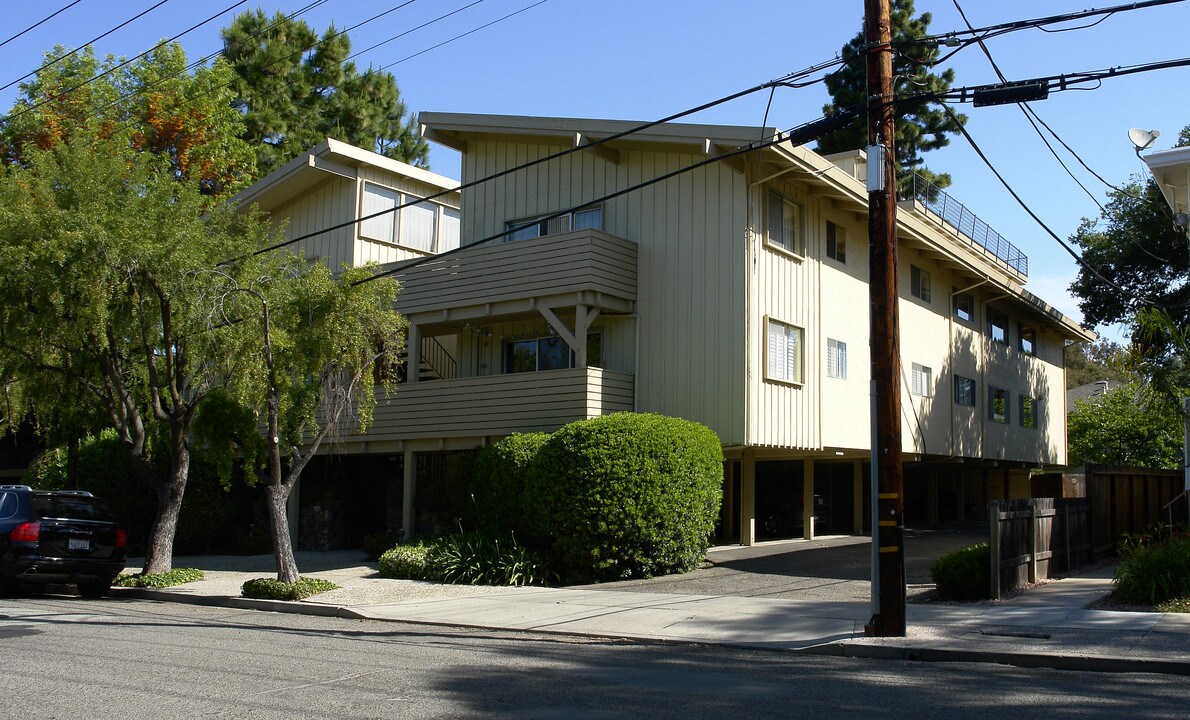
(920, 127)
(296, 89)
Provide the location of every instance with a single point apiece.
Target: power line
(109, 71)
(463, 35)
(89, 42)
(40, 22)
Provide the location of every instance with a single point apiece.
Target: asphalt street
(69, 658)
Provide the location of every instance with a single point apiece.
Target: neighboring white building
(734, 295)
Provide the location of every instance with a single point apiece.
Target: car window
(70, 507)
(8, 505)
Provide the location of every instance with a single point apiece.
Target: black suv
(58, 537)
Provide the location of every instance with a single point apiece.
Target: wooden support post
(1032, 541)
(413, 353)
(729, 518)
(857, 494)
(994, 550)
(748, 498)
(808, 499)
(410, 488)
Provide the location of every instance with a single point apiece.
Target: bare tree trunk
(277, 495)
(159, 556)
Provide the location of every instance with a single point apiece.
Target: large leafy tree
(1126, 426)
(296, 88)
(108, 212)
(920, 126)
(316, 341)
(1101, 360)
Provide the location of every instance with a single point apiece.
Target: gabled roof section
(455, 130)
(329, 158)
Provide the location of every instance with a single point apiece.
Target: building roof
(1089, 392)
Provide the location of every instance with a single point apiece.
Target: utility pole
(888, 617)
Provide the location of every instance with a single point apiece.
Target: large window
(998, 326)
(836, 243)
(919, 283)
(426, 226)
(524, 229)
(785, 224)
(1028, 412)
(964, 391)
(548, 353)
(997, 405)
(836, 359)
(784, 352)
(923, 380)
(964, 307)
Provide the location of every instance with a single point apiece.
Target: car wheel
(95, 590)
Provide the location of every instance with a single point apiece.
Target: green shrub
(500, 478)
(406, 562)
(482, 558)
(626, 495)
(963, 574)
(376, 545)
(273, 589)
(177, 576)
(1154, 573)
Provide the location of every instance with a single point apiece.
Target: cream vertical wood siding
(690, 265)
(494, 406)
(331, 203)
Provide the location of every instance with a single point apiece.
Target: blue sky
(644, 59)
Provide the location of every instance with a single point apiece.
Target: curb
(844, 649)
(1050, 661)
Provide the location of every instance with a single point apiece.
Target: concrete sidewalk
(1047, 626)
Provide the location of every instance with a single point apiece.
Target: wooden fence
(1036, 538)
(1128, 500)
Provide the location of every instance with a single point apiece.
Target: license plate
(78, 545)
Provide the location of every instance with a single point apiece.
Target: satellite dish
(1142, 139)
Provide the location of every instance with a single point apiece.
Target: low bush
(963, 574)
(273, 589)
(626, 495)
(177, 576)
(376, 545)
(406, 562)
(1154, 573)
(1177, 605)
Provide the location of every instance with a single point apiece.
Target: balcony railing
(966, 223)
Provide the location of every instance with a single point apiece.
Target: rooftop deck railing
(966, 223)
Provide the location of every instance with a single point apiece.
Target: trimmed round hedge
(963, 574)
(626, 495)
(499, 481)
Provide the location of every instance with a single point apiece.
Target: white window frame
(919, 284)
(923, 381)
(790, 236)
(784, 352)
(535, 227)
(392, 228)
(836, 359)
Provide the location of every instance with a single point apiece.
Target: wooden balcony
(509, 277)
(494, 405)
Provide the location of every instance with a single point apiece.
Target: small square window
(836, 359)
(997, 405)
(1027, 340)
(836, 243)
(923, 380)
(919, 283)
(964, 307)
(998, 326)
(964, 391)
(785, 223)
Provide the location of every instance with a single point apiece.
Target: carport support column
(857, 494)
(808, 498)
(409, 489)
(748, 497)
